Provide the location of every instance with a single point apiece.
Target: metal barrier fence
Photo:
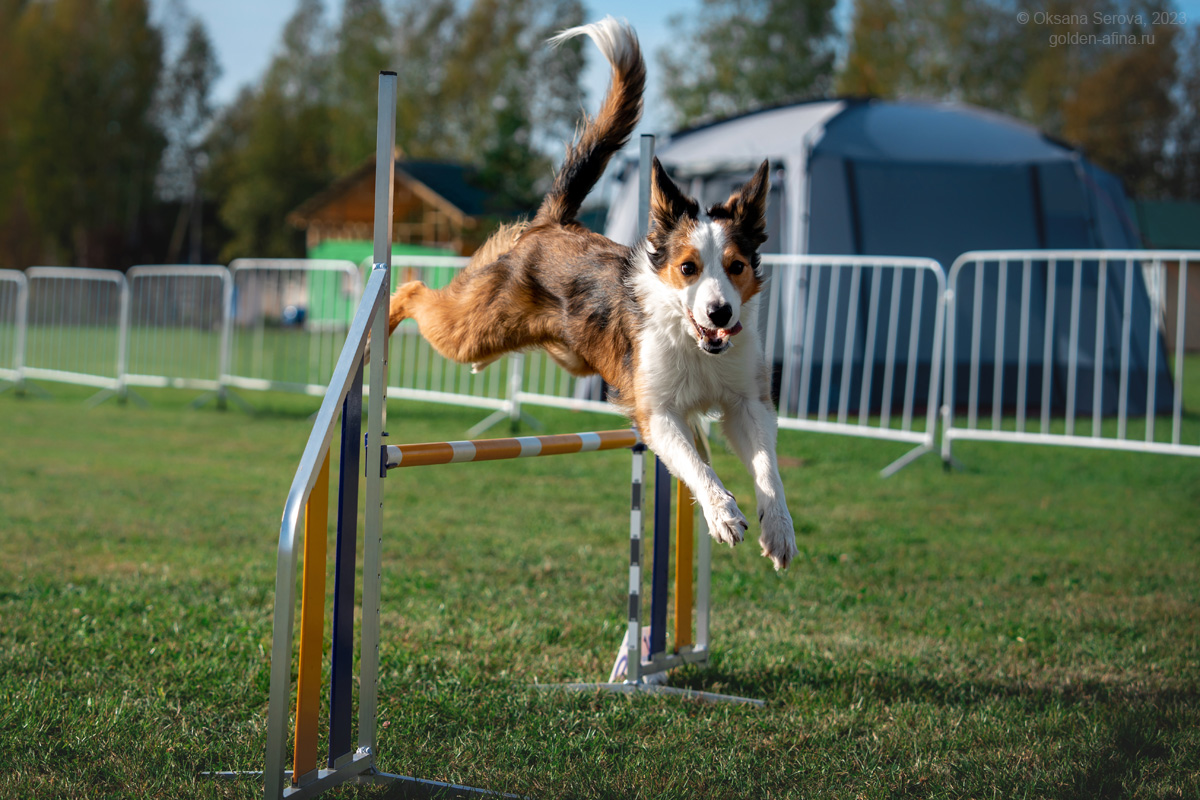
(286, 322)
(1054, 347)
(877, 356)
(177, 334)
(1080, 341)
(854, 342)
(856, 346)
(14, 290)
(76, 322)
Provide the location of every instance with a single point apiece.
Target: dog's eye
(688, 268)
(736, 268)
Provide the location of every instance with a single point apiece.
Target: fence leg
(904, 460)
(100, 396)
(513, 412)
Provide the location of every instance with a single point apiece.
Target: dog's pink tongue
(734, 331)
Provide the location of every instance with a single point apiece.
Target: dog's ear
(747, 207)
(668, 205)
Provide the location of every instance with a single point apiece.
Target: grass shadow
(844, 684)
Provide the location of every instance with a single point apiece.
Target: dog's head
(709, 261)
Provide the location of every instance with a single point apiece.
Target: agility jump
(305, 770)
(305, 524)
(644, 652)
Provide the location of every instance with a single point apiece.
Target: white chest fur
(677, 375)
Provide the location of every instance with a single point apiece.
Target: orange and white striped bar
(431, 453)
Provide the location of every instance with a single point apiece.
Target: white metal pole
(1126, 323)
(633, 661)
(647, 157)
(936, 359)
(226, 338)
(976, 343)
(1156, 309)
(281, 664)
(516, 374)
(1180, 341)
(22, 330)
(998, 350)
(1048, 339)
(914, 340)
(812, 290)
(122, 335)
(703, 556)
(1023, 347)
(385, 164)
(1098, 351)
(835, 283)
(633, 636)
(848, 346)
(868, 368)
(889, 358)
(1073, 337)
(951, 298)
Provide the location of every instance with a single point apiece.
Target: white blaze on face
(713, 289)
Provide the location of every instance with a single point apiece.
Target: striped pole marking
(633, 636)
(431, 453)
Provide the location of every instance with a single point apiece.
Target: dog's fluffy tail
(612, 127)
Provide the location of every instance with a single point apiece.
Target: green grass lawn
(1029, 627)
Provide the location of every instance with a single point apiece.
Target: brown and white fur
(657, 321)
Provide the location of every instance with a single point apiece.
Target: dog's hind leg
(402, 303)
(411, 296)
(399, 309)
(458, 320)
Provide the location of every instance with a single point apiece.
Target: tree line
(112, 151)
(1120, 79)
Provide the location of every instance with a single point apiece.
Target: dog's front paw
(778, 536)
(726, 523)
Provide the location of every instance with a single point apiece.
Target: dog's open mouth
(713, 340)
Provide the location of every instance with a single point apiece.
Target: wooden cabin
(437, 204)
(1173, 225)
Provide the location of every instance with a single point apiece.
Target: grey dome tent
(923, 179)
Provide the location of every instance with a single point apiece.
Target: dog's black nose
(720, 314)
